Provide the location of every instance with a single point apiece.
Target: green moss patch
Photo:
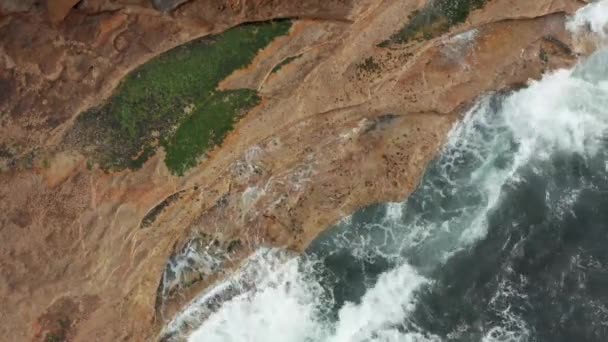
(206, 127)
(433, 20)
(173, 101)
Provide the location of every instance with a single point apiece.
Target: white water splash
(196, 259)
(394, 211)
(560, 112)
(382, 310)
(284, 307)
(289, 304)
(258, 271)
(592, 18)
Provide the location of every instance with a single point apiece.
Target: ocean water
(505, 239)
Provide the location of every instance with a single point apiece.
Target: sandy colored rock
(344, 125)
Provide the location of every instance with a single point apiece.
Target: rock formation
(351, 113)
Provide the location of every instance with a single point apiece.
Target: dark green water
(510, 222)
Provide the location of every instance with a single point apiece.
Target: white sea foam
(382, 310)
(289, 304)
(593, 18)
(513, 327)
(258, 271)
(560, 112)
(284, 307)
(394, 211)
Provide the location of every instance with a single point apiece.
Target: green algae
(172, 101)
(206, 127)
(284, 63)
(433, 20)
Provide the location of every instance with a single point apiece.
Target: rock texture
(345, 124)
(59, 9)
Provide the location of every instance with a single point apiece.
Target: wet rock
(167, 5)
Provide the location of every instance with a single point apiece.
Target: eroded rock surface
(344, 122)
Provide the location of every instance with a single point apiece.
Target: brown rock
(17, 6)
(344, 125)
(59, 9)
